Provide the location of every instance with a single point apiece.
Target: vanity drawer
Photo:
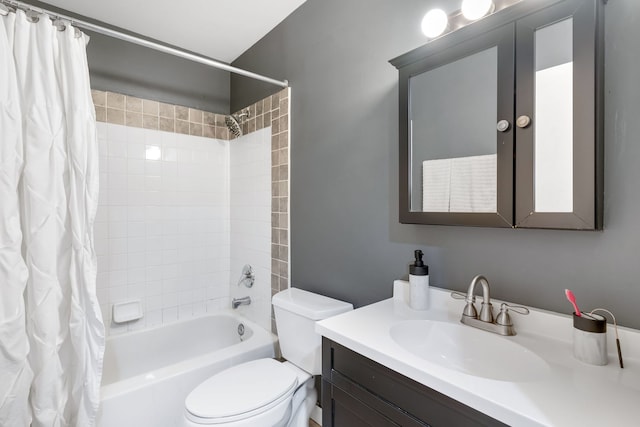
(364, 379)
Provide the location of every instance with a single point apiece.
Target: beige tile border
(131, 111)
(274, 111)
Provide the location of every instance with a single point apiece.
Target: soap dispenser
(418, 283)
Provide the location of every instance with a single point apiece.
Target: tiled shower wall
(185, 269)
(250, 191)
(274, 111)
(162, 228)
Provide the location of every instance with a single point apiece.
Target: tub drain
(241, 330)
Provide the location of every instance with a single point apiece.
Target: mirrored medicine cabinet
(501, 121)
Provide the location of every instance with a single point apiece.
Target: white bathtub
(148, 374)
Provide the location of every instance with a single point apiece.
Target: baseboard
(316, 414)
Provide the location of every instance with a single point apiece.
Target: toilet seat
(241, 392)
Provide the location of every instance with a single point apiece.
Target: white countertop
(571, 393)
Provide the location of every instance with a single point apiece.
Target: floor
(313, 424)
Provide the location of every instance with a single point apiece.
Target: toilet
(265, 392)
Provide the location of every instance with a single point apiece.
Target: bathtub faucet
(240, 301)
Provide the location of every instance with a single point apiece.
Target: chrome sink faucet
(486, 309)
(502, 324)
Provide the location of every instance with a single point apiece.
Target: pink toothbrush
(572, 299)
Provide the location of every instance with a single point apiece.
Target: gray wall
(122, 67)
(346, 238)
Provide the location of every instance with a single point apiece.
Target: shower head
(234, 122)
(234, 126)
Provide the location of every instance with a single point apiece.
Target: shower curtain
(51, 331)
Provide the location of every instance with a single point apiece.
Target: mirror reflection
(452, 134)
(553, 125)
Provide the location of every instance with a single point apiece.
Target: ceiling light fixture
(476, 9)
(434, 23)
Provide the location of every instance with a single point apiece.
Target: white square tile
(117, 149)
(136, 292)
(136, 229)
(154, 228)
(154, 317)
(116, 133)
(135, 198)
(136, 183)
(118, 262)
(154, 289)
(154, 274)
(135, 150)
(152, 167)
(171, 286)
(136, 275)
(154, 243)
(185, 311)
(153, 183)
(153, 302)
(117, 197)
(154, 213)
(154, 258)
(170, 154)
(135, 135)
(117, 294)
(135, 166)
(117, 229)
(117, 165)
(169, 314)
(101, 246)
(136, 213)
(117, 246)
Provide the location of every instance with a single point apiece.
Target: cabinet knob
(523, 121)
(503, 125)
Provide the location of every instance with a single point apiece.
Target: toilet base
(304, 400)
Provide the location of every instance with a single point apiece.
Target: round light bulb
(476, 9)
(434, 23)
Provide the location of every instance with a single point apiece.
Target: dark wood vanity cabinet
(501, 121)
(357, 391)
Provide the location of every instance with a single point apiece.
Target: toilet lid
(241, 389)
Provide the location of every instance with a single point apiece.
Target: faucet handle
(458, 295)
(470, 308)
(517, 308)
(504, 318)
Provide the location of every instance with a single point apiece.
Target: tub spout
(240, 301)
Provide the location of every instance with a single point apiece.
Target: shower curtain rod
(147, 43)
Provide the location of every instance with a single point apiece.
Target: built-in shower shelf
(127, 311)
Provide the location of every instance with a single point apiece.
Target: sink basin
(468, 350)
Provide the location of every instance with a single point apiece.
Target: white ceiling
(220, 29)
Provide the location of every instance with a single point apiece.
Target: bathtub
(148, 374)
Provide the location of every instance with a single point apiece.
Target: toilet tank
(296, 314)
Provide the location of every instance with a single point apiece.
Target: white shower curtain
(52, 336)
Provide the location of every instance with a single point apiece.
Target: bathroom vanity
(386, 364)
(359, 391)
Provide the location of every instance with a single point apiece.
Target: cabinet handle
(523, 121)
(503, 125)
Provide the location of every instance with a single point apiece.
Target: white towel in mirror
(436, 185)
(474, 184)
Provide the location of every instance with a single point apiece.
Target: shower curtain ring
(33, 16)
(59, 24)
(5, 9)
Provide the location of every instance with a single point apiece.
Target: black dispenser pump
(418, 268)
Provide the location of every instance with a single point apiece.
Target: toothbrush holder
(590, 339)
